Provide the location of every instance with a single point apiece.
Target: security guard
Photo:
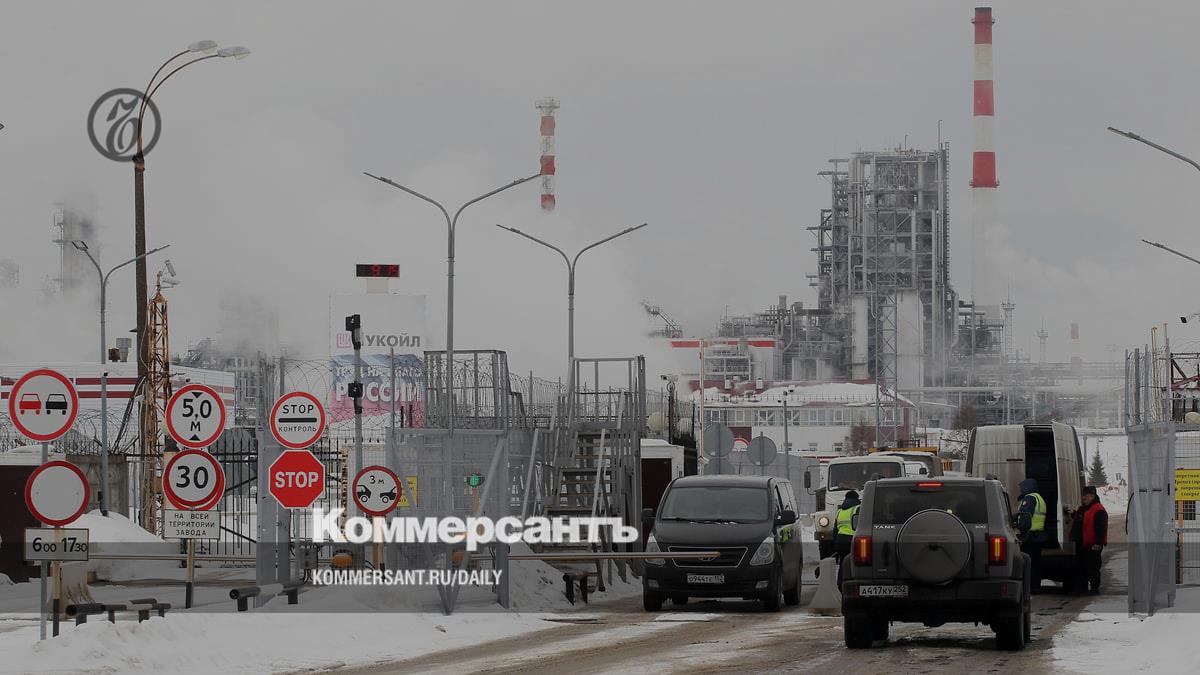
(845, 523)
(1031, 524)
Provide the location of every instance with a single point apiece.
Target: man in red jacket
(1089, 531)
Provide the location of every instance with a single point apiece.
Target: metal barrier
(143, 607)
(242, 595)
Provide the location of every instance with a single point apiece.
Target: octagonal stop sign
(296, 478)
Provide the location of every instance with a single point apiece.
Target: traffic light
(354, 326)
(473, 480)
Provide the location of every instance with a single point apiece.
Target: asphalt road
(728, 635)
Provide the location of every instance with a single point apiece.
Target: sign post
(56, 493)
(42, 405)
(193, 480)
(377, 491)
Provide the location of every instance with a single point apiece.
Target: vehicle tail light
(862, 551)
(997, 550)
(930, 485)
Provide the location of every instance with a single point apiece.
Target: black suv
(932, 552)
(748, 520)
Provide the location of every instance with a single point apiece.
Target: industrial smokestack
(983, 165)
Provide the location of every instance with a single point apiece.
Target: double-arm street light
(1176, 155)
(571, 286)
(451, 227)
(103, 276)
(209, 50)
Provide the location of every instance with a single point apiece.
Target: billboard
(391, 323)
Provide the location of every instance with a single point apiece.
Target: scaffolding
(883, 244)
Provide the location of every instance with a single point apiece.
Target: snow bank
(251, 642)
(1103, 638)
(116, 534)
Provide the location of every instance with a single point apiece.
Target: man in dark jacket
(1031, 524)
(1089, 531)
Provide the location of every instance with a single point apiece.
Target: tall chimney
(983, 164)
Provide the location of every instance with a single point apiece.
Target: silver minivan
(1048, 452)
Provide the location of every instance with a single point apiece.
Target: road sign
(761, 451)
(409, 497)
(56, 493)
(1187, 485)
(297, 420)
(718, 439)
(377, 490)
(193, 480)
(42, 404)
(296, 478)
(190, 524)
(195, 416)
(56, 543)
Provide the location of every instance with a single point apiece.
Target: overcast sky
(709, 121)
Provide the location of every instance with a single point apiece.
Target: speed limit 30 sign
(195, 416)
(193, 481)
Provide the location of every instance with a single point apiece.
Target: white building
(819, 416)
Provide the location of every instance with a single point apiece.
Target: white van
(1048, 452)
(843, 474)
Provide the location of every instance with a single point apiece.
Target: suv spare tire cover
(933, 546)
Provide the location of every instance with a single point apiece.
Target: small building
(817, 419)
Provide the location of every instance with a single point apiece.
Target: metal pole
(45, 565)
(103, 496)
(787, 444)
(451, 226)
(358, 436)
(283, 523)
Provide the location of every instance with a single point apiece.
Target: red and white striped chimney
(983, 164)
(547, 106)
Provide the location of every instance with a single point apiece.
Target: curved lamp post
(571, 262)
(210, 51)
(103, 276)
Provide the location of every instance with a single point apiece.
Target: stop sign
(296, 478)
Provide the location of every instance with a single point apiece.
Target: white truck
(843, 474)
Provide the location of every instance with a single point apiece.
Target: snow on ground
(331, 626)
(1105, 639)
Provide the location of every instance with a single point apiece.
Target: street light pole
(571, 262)
(103, 277)
(451, 227)
(141, 284)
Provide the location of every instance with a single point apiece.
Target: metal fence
(1158, 550)
(794, 469)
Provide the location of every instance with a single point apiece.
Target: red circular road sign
(195, 416)
(296, 478)
(297, 420)
(43, 404)
(193, 480)
(56, 493)
(377, 490)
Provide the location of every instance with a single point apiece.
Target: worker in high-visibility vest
(1031, 524)
(845, 521)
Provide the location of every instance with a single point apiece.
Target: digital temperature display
(376, 270)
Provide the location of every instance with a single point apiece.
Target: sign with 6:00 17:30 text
(56, 543)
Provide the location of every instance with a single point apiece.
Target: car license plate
(706, 578)
(890, 591)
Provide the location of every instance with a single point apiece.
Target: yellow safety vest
(845, 521)
(1038, 521)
